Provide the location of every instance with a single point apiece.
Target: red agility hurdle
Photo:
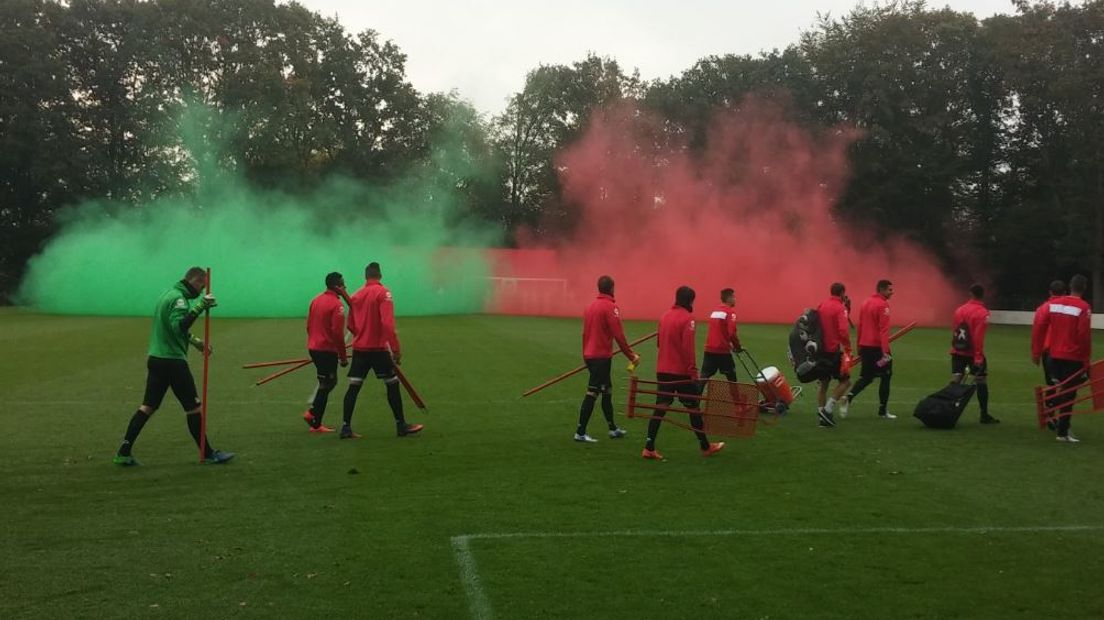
(1047, 410)
(727, 409)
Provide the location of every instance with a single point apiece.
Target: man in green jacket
(167, 365)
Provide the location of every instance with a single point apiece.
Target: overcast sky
(483, 48)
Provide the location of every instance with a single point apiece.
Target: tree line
(982, 140)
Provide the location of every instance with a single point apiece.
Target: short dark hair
(605, 285)
(372, 271)
(883, 285)
(195, 272)
(684, 296)
(1078, 284)
(978, 291)
(727, 293)
(333, 279)
(1058, 287)
(837, 289)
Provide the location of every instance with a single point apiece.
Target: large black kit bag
(806, 341)
(943, 408)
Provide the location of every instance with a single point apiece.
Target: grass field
(494, 512)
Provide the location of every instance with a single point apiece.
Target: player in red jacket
(326, 345)
(677, 372)
(835, 354)
(1057, 289)
(968, 327)
(877, 363)
(601, 326)
(375, 347)
(1067, 320)
(722, 339)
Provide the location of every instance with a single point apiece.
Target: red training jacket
(833, 323)
(722, 336)
(601, 325)
(874, 323)
(1038, 317)
(976, 317)
(326, 324)
(372, 319)
(677, 347)
(1068, 320)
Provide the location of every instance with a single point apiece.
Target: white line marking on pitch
(480, 605)
(469, 575)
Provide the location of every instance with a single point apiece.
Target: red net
(727, 409)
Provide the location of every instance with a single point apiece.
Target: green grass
(286, 531)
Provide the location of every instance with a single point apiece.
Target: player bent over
(375, 348)
(167, 365)
(677, 372)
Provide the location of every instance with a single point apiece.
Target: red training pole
(206, 366)
(578, 369)
(414, 396)
(276, 363)
(277, 375)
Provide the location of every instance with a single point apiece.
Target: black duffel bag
(943, 408)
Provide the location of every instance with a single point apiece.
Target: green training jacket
(168, 338)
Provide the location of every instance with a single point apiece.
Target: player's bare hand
(397, 356)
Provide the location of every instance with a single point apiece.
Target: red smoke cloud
(751, 211)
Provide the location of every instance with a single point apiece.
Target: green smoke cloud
(269, 251)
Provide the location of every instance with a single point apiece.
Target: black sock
(698, 423)
(883, 394)
(194, 429)
(607, 410)
(983, 398)
(137, 421)
(585, 410)
(318, 407)
(350, 401)
(394, 399)
(653, 430)
(653, 426)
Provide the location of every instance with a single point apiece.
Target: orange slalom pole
(894, 336)
(206, 367)
(276, 363)
(283, 372)
(414, 396)
(578, 369)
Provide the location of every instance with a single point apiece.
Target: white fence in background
(1012, 317)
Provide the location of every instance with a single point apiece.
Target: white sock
(830, 406)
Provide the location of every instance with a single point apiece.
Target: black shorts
(688, 390)
(600, 380)
(162, 374)
(870, 368)
(959, 364)
(832, 363)
(326, 364)
(379, 361)
(712, 363)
